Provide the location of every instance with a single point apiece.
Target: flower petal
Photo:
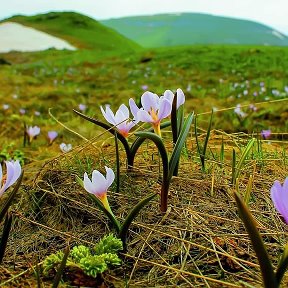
(133, 107)
(279, 200)
(88, 186)
(150, 101)
(124, 109)
(164, 109)
(169, 95)
(144, 116)
(99, 183)
(108, 115)
(180, 97)
(110, 176)
(13, 173)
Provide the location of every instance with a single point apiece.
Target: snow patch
(17, 37)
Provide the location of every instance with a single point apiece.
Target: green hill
(79, 30)
(193, 28)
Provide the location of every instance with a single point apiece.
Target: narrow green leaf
(243, 157)
(117, 164)
(179, 145)
(59, 273)
(222, 154)
(109, 214)
(165, 164)
(233, 179)
(5, 235)
(268, 275)
(248, 191)
(174, 125)
(196, 136)
(131, 216)
(9, 200)
(161, 148)
(109, 128)
(207, 138)
(282, 266)
(138, 142)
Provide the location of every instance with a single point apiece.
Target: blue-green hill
(193, 28)
(79, 30)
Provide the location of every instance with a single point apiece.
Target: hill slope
(79, 30)
(193, 28)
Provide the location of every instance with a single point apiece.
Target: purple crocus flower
(52, 136)
(266, 133)
(99, 185)
(82, 107)
(279, 195)
(32, 132)
(13, 172)
(144, 87)
(155, 108)
(120, 119)
(22, 111)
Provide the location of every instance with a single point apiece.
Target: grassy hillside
(193, 28)
(79, 30)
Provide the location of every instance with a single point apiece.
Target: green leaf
(268, 275)
(233, 179)
(117, 164)
(282, 266)
(179, 145)
(165, 180)
(59, 273)
(174, 125)
(109, 128)
(138, 142)
(9, 200)
(131, 216)
(5, 235)
(206, 140)
(109, 214)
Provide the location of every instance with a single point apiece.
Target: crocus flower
(13, 172)
(32, 132)
(279, 195)
(22, 111)
(99, 185)
(120, 120)
(266, 134)
(155, 108)
(65, 147)
(144, 87)
(239, 111)
(52, 136)
(37, 113)
(6, 106)
(82, 107)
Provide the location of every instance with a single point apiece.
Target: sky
(270, 12)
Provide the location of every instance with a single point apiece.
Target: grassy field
(200, 241)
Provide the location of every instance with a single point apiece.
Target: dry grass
(199, 242)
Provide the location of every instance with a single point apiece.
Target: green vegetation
(191, 28)
(79, 30)
(200, 241)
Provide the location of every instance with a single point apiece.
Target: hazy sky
(273, 13)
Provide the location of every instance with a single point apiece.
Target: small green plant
(91, 261)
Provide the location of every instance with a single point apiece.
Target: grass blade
(131, 216)
(5, 235)
(268, 274)
(233, 179)
(243, 157)
(59, 273)
(9, 200)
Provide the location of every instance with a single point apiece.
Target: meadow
(200, 240)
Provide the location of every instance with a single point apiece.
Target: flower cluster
(153, 110)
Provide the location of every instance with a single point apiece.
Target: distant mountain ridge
(79, 30)
(194, 28)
